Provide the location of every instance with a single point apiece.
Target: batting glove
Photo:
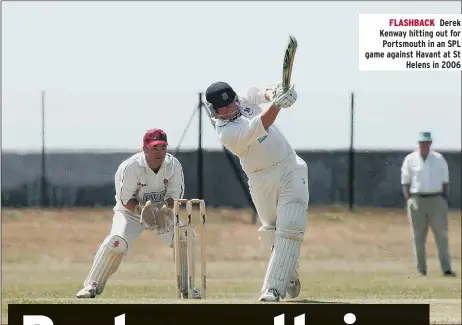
(285, 99)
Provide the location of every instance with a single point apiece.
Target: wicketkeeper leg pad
(289, 235)
(106, 261)
(167, 238)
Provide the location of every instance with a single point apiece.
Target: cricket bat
(289, 57)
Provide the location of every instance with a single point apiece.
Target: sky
(112, 70)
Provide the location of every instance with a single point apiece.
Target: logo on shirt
(154, 196)
(248, 110)
(141, 185)
(262, 138)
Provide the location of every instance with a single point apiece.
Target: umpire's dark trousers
(429, 210)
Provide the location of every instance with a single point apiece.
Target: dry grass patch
(356, 257)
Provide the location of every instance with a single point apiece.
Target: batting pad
(295, 273)
(290, 231)
(266, 235)
(106, 261)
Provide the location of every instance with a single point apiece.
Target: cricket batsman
(146, 186)
(278, 178)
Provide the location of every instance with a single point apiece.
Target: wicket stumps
(190, 247)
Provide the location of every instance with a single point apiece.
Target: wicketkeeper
(146, 186)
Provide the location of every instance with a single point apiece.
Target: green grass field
(365, 257)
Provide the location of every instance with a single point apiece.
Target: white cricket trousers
(278, 185)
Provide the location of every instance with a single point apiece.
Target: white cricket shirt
(135, 180)
(425, 176)
(246, 137)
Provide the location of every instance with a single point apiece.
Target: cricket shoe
(270, 295)
(87, 292)
(196, 294)
(294, 288)
(450, 274)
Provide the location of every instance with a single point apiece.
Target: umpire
(425, 181)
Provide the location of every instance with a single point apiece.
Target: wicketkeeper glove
(156, 217)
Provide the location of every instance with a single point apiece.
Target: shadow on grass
(308, 301)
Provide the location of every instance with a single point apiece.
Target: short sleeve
(237, 136)
(175, 189)
(405, 172)
(445, 171)
(126, 182)
(255, 96)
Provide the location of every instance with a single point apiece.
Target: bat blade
(288, 63)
